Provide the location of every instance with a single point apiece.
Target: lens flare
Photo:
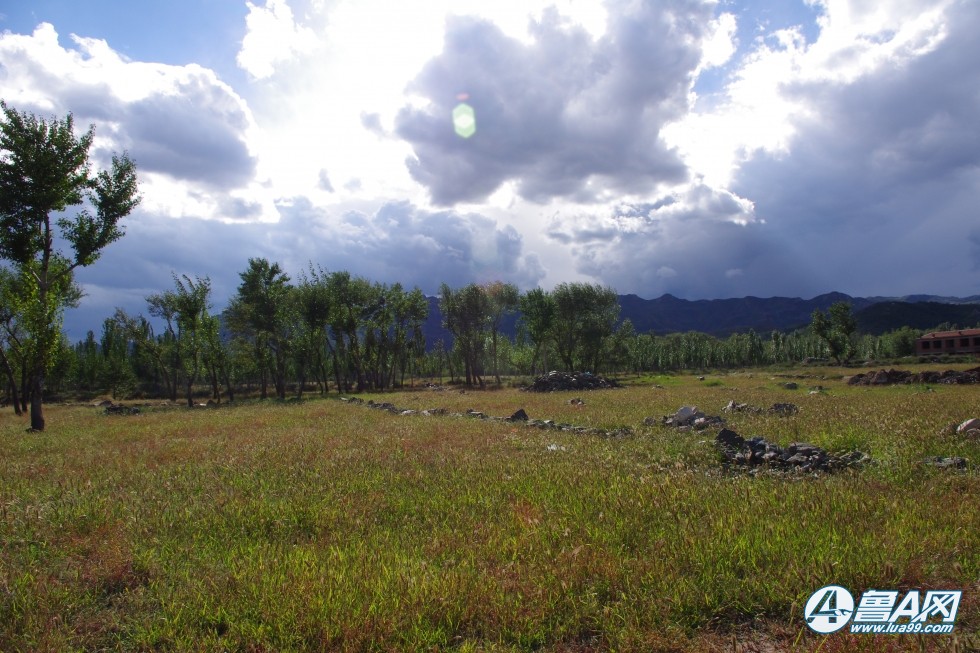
(464, 120)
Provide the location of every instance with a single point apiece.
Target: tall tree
(466, 314)
(585, 315)
(44, 171)
(836, 328)
(262, 312)
(538, 318)
(503, 299)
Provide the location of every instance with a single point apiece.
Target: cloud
(181, 124)
(272, 38)
(564, 115)
(879, 186)
(324, 182)
(693, 242)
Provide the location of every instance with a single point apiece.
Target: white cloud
(189, 133)
(759, 111)
(272, 38)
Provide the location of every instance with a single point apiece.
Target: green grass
(326, 526)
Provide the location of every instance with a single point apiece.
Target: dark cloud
(196, 135)
(879, 190)
(701, 243)
(398, 242)
(563, 116)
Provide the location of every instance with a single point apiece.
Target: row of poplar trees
(326, 327)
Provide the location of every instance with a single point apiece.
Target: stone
(729, 438)
(969, 425)
(685, 415)
(951, 462)
(791, 386)
(784, 409)
(519, 416)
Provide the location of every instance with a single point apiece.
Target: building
(965, 341)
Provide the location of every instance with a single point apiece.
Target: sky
(703, 148)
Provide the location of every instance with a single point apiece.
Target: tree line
(333, 331)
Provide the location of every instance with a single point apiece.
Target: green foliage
(44, 170)
(836, 328)
(585, 315)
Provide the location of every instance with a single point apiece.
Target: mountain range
(722, 317)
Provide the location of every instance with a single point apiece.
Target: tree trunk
(37, 411)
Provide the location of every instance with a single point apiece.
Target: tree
(503, 299)
(585, 315)
(45, 171)
(466, 314)
(262, 313)
(538, 317)
(835, 328)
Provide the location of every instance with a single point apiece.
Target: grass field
(321, 526)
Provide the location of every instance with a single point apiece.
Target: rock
(700, 378)
(686, 415)
(409, 412)
(784, 409)
(791, 386)
(113, 409)
(518, 416)
(972, 424)
(556, 447)
(577, 401)
(729, 438)
(951, 462)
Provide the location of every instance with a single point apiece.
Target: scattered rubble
(556, 381)
(520, 415)
(895, 377)
(758, 453)
(790, 385)
(783, 409)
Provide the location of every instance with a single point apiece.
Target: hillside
(722, 317)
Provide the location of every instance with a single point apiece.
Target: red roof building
(964, 341)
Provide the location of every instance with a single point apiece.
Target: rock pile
(758, 453)
(554, 381)
(119, 409)
(894, 377)
(687, 418)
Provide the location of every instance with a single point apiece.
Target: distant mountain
(722, 317)
(887, 316)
